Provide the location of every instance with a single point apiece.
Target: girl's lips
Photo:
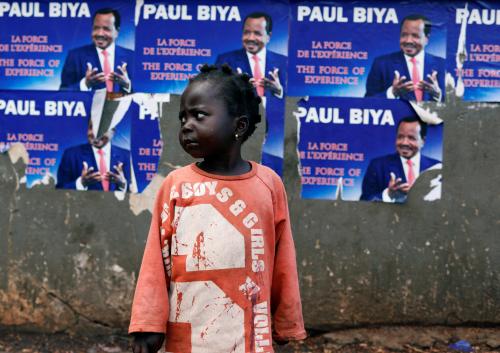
(190, 143)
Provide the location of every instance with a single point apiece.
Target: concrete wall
(69, 260)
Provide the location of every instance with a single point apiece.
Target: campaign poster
(350, 148)
(65, 132)
(50, 45)
(146, 141)
(174, 39)
(46, 123)
(474, 50)
(363, 49)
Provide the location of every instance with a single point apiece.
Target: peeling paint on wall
(145, 200)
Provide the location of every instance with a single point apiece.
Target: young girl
(218, 273)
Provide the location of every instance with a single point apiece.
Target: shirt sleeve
(150, 308)
(83, 86)
(79, 186)
(386, 197)
(286, 307)
(389, 93)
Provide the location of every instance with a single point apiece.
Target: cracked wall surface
(69, 259)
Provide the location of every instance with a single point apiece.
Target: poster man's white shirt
(420, 65)
(416, 172)
(261, 55)
(107, 159)
(111, 59)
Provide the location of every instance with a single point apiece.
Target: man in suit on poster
(96, 165)
(389, 178)
(410, 73)
(102, 64)
(254, 58)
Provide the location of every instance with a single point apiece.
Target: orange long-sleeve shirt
(219, 272)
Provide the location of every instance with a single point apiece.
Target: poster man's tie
(107, 71)
(103, 170)
(415, 77)
(257, 75)
(411, 172)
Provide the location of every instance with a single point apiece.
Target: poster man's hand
(92, 77)
(431, 86)
(117, 177)
(254, 82)
(273, 83)
(121, 77)
(397, 188)
(88, 175)
(401, 86)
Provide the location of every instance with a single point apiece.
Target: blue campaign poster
(173, 39)
(46, 123)
(146, 142)
(37, 36)
(474, 50)
(352, 49)
(135, 129)
(340, 137)
(58, 130)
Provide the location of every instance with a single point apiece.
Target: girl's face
(207, 130)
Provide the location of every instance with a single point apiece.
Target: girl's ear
(242, 125)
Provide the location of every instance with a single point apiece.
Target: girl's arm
(286, 307)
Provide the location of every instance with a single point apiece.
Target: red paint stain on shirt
(178, 307)
(199, 251)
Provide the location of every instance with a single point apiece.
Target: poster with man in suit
(96, 165)
(102, 64)
(365, 149)
(53, 45)
(173, 40)
(389, 178)
(358, 49)
(266, 67)
(410, 73)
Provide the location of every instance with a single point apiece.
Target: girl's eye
(200, 115)
(182, 118)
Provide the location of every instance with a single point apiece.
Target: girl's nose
(188, 125)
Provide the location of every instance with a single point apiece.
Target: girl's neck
(225, 166)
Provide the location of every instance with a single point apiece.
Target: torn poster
(82, 141)
(474, 50)
(363, 149)
(173, 40)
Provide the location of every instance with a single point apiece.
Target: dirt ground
(368, 340)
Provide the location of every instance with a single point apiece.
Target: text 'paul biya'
(357, 116)
(50, 108)
(336, 14)
(34, 9)
(181, 12)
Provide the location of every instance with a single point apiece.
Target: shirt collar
(415, 159)
(110, 49)
(106, 148)
(419, 57)
(261, 55)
